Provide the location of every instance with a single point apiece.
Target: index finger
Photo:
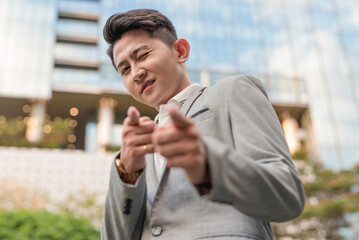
(133, 115)
(178, 118)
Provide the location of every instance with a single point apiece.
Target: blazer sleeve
(257, 176)
(125, 208)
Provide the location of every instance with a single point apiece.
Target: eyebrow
(132, 55)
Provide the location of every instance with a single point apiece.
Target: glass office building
(305, 52)
(26, 48)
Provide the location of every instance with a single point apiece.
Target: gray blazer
(253, 177)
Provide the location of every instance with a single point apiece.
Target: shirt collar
(184, 94)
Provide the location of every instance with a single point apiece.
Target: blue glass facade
(305, 52)
(26, 47)
(80, 5)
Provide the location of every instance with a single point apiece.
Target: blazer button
(156, 231)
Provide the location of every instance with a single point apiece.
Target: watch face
(130, 178)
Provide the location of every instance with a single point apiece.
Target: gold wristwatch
(130, 178)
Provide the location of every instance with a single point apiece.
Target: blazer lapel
(190, 100)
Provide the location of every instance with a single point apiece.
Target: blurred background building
(53, 64)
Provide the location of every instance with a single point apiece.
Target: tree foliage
(13, 131)
(330, 197)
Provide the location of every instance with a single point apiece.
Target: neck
(185, 82)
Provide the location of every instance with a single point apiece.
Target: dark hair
(153, 22)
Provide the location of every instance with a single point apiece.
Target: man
(213, 165)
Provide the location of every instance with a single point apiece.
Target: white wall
(58, 173)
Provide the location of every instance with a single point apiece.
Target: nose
(138, 74)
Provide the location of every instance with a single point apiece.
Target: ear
(183, 48)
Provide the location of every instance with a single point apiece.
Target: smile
(146, 85)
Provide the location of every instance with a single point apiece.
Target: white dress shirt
(163, 118)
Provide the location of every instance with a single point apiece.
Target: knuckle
(150, 148)
(193, 148)
(193, 132)
(152, 126)
(156, 138)
(161, 150)
(126, 121)
(169, 163)
(190, 146)
(133, 152)
(191, 155)
(144, 119)
(126, 131)
(130, 152)
(130, 142)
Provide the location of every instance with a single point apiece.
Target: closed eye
(143, 56)
(124, 70)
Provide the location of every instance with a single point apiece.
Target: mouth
(146, 85)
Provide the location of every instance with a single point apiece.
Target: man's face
(148, 67)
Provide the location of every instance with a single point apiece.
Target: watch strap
(126, 177)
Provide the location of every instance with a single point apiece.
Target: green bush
(43, 225)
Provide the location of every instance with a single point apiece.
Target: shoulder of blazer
(238, 81)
